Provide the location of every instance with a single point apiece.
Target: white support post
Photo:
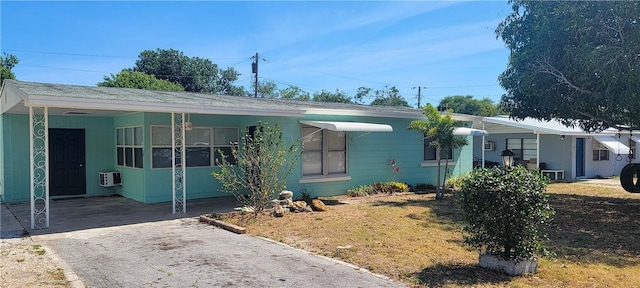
(483, 141)
(39, 164)
(538, 150)
(178, 169)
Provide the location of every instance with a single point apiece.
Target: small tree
(259, 167)
(438, 130)
(504, 209)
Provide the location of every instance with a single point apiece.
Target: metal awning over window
(349, 126)
(464, 131)
(613, 145)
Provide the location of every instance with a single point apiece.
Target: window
(224, 139)
(129, 146)
(198, 145)
(600, 153)
(325, 152)
(430, 152)
(525, 149)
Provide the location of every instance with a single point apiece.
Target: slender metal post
(39, 166)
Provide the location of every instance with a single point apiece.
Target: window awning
(464, 131)
(349, 126)
(612, 144)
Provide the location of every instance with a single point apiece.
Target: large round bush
(504, 209)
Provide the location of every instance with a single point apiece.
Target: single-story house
(561, 152)
(69, 141)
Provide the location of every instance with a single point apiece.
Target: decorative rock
(318, 205)
(286, 194)
(308, 209)
(298, 206)
(278, 211)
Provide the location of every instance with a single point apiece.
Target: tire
(626, 177)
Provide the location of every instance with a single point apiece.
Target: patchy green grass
(418, 240)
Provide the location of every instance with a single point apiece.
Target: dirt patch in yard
(24, 263)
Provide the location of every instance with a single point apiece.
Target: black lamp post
(507, 157)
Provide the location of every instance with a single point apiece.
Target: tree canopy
(468, 105)
(195, 74)
(7, 62)
(389, 96)
(326, 96)
(294, 92)
(577, 61)
(133, 79)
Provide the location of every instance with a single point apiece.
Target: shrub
(504, 210)
(359, 191)
(454, 182)
(378, 187)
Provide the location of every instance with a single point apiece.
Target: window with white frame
(325, 152)
(430, 153)
(600, 153)
(129, 146)
(200, 142)
(525, 149)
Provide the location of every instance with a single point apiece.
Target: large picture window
(200, 144)
(430, 153)
(129, 145)
(525, 149)
(325, 152)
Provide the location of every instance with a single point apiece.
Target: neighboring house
(55, 140)
(567, 152)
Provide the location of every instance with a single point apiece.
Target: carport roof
(505, 124)
(17, 96)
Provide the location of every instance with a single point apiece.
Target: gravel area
(25, 263)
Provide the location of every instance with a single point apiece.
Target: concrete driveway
(152, 251)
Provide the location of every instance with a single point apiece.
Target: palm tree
(439, 130)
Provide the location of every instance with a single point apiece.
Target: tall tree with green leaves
(468, 105)
(577, 61)
(389, 96)
(294, 92)
(195, 74)
(326, 96)
(7, 62)
(138, 80)
(438, 129)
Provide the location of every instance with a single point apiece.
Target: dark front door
(66, 162)
(579, 157)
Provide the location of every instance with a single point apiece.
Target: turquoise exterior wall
(15, 142)
(368, 155)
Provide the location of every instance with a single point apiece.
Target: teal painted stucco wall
(368, 155)
(99, 156)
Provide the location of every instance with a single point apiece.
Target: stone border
(227, 226)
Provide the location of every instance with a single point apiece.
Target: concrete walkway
(117, 242)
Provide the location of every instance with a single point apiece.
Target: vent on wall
(110, 179)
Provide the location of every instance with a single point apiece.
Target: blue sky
(449, 47)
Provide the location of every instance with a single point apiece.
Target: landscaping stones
(278, 211)
(318, 205)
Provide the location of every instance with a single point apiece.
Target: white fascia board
(464, 131)
(120, 105)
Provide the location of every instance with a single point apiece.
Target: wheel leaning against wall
(626, 177)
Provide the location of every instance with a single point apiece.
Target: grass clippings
(418, 240)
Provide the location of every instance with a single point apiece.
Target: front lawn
(416, 239)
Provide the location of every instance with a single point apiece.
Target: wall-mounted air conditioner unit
(110, 179)
(489, 146)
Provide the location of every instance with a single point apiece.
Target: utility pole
(254, 70)
(419, 90)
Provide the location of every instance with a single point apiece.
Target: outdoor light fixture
(507, 157)
(188, 125)
(562, 138)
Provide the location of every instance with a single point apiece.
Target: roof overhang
(349, 126)
(612, 144)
